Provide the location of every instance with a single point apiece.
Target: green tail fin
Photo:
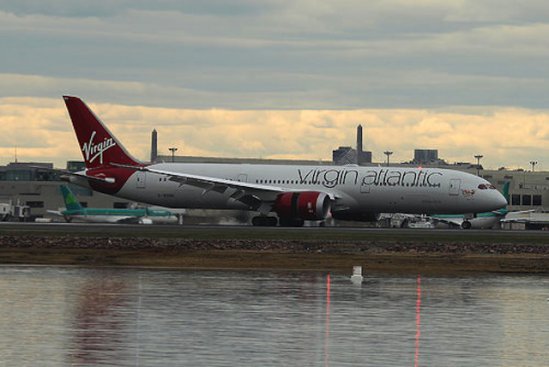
(70, 200)
(505, 191)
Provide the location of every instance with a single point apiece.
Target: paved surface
(315, 233)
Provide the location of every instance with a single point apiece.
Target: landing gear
(264, 221)
(466, 224)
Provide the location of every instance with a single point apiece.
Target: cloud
(279, 54)
(41, 130)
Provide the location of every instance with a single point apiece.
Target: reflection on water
(418, 320)
(56, 316)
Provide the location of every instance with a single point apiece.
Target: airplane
(476, 221)
(294, 193)
(529, 218)
(76, 212)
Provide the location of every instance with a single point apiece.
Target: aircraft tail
(71, 203)
(505, 193)
(99, 146)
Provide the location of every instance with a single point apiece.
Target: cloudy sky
(280, 78)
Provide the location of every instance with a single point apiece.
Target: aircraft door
(141, 178)
(455, 184)
(242, 177)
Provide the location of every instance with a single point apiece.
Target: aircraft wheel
(466, 224)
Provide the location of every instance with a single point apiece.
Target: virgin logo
(93, 150)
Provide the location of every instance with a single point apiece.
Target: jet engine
(307, 205)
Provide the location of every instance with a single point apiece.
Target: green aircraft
(74, 211)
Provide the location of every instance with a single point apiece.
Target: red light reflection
(327, 322)
(418, 320)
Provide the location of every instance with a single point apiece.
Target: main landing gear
(466, 224)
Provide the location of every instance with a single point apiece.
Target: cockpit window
(486, 187)
(482, 187)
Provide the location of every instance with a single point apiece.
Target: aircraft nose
(499, 200)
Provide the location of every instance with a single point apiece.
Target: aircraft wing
(64, 174)
(128, 220)
(524, 216)
(214, 184)
(55, 212)
(82, 174)
(253, 195)
(451, 221)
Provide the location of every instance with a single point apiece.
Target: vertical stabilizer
(98, 145)
(505, 191)
(71, 203)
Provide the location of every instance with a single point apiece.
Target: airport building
(31, 189)
(426, 156)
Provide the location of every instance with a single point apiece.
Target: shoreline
(374, 255)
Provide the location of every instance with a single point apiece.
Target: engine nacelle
(145, 221)
(307, 205)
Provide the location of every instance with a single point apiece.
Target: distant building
(74, 166)
(28, 171)
(344, 155)
(425, 156)
(362, 157)
(359, 138)
(154, 146)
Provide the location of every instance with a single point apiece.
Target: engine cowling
(306, 205)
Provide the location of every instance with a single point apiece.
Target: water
(56, 316)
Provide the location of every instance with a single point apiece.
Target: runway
(301, 233)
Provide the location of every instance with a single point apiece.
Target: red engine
(307, 205)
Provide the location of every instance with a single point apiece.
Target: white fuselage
(354, 188)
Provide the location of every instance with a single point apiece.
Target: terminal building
(34, 187)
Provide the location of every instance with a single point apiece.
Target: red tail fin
(99, 146)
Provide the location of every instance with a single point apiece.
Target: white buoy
(357, 278)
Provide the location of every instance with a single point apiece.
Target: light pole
(387, 153)
(173, 150)
(478, 157)
(533, 163)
